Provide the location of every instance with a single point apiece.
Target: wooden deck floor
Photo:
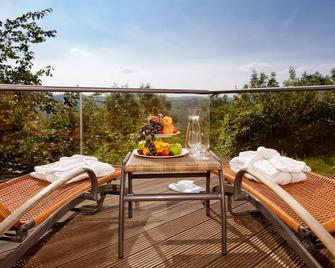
(162, 234)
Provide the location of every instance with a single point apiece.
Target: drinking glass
(193, 133)
(195, 142)
(204, 146)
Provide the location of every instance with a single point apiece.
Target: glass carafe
(193, 132)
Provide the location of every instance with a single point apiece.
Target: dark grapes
(148, 132)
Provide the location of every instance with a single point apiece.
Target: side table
(135, 167)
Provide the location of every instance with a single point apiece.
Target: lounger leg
(286, 232)
(130, 191)
(223, 215)
(36, 234)
(207, 202)
(121, 210)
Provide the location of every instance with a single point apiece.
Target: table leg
(207, 202)
(223, 214)
(121, 208)
(130, 191)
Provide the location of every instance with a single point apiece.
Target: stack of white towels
(280, 169)
(57, 170)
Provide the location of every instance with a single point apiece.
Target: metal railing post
(81, 122)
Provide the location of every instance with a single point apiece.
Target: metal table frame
(129, 197)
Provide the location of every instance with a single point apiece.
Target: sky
(205, 44)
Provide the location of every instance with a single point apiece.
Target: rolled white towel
(63, 167)
(185, 186)
(286, 164)
(280, 169)
(79, 156)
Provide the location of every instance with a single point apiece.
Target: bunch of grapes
(148, 132)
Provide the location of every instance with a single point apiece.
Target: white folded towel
(65, 165)
(186, 186)
(280, 169)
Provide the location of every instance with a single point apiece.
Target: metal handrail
(37, 88)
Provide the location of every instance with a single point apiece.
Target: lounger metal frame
(303, 244)
(27, 240)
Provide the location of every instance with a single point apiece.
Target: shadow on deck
(162, 234)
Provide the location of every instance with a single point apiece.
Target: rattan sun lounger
(16, 193)
(316, 195)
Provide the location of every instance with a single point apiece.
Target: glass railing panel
(112, 121)
(36, 128)
(300, 125)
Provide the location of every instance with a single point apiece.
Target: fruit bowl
(183, 152)
(160, 136)
(151, 134)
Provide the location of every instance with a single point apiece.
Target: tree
(16, 56)
(117, 119)
(295, 123)
(309, 79)
(23, 115)
(262, 80)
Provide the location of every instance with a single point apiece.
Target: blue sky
(210, 44)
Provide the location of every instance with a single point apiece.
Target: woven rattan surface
(183, 163)
(17, 191)
(316, 194)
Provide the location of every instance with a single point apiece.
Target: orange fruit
(162, 150)
(168, 129)
(145, 150)
(167, 120)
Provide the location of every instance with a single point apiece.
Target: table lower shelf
(172, 197)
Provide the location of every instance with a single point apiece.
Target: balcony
(161, 234)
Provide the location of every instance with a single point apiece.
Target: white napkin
(186, 186)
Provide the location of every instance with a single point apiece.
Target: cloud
(258, 66)
(89, 66)
(79, 52)
(127, 71)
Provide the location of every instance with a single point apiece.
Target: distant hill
(179, 105)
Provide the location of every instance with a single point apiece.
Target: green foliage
(295, 123)
(112, 122)
(262, 80)
(16, 55)
(323, 164)
(34, 129)
(309, 79)
(24, 134)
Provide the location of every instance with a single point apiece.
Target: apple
(141, 145)
(175, 148)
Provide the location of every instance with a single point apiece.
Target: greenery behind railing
(37, 128)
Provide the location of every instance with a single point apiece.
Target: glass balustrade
(37, 127)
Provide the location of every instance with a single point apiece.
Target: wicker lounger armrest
(7, 223)
(309, 220)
